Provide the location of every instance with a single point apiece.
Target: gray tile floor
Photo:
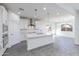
(63, 46)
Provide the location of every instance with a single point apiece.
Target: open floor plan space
(39, 29)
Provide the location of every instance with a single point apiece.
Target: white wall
(77, 28)
(24, 23)
(55, 23)
(41, 25)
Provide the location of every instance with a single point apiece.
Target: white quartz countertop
(36, 35)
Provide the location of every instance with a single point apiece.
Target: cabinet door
(14, 33)
(3, 21)
(1, 43)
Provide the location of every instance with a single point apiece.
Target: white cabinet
(3, 29)
(13, 33)
(14, 29)
(36, 42)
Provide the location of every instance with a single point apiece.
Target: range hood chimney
(32, 22)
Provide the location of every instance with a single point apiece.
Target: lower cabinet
(36, 42)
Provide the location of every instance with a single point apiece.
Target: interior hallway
(63, 46)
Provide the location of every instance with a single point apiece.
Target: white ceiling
(74, 6)
(29, 9)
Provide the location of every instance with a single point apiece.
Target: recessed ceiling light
(44, 8)
(19, 12)
(35, 9)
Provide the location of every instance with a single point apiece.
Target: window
(66, 27)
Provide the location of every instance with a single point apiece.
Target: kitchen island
(38, 40)
(35, 40)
